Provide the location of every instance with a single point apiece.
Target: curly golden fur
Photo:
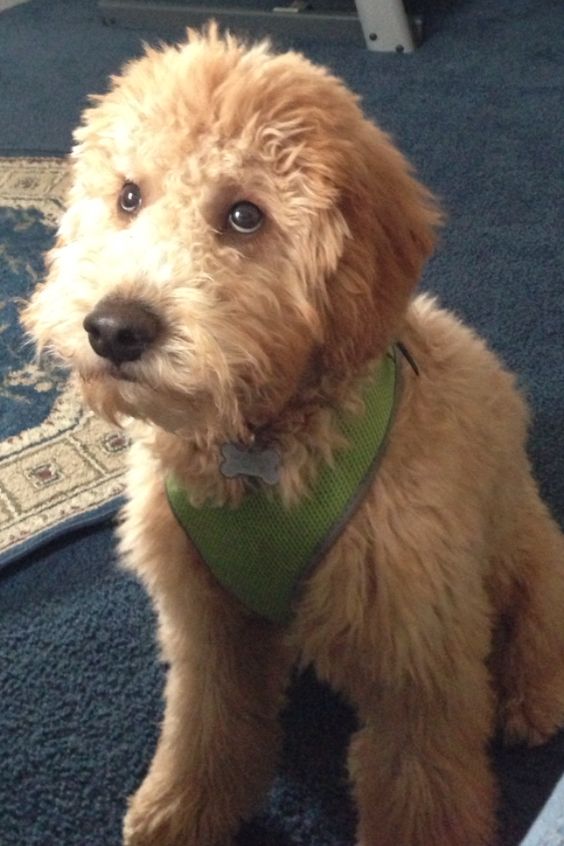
(438, 611)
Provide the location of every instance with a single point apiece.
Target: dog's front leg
(420, 766)
(225, 686)
(412, 659)
(422, 781)
(218, 744)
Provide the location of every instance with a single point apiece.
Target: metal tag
(252, 461)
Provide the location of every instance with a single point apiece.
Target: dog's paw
(153, 821)
(170, 818)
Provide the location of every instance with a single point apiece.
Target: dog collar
(262, 551)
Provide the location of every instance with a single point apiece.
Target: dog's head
(236, 227)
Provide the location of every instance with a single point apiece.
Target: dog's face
(235, 228)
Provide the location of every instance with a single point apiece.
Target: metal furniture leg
(385, 25)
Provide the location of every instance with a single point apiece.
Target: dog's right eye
(130, 198)
(245, 218)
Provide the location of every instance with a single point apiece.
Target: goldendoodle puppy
(325, 470)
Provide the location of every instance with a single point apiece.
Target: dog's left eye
(130, 198)
(245, 217)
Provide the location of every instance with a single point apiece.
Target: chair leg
(385, 25)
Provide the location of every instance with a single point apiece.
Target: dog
(234, 273)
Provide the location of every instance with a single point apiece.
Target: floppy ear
(392, 220)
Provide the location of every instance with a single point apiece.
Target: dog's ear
(392, 221)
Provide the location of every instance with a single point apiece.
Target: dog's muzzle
(121, 330)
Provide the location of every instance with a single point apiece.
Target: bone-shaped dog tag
(252, 461)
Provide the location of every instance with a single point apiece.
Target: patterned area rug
(60, 467)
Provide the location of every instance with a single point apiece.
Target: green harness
(262, 550)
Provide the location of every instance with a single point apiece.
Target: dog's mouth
(121, 373)
(108, 370)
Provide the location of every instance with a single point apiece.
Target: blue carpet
(24, 238)
(479, 110)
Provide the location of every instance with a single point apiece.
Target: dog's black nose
(121, 330)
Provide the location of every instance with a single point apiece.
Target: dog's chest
(262, 550)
